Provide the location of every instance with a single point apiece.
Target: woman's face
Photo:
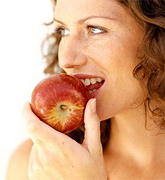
(100, 40)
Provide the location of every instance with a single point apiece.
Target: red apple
(60, 101)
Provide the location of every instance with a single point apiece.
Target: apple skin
(59, 101)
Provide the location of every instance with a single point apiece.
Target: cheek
(120, 94)
(114, 54)
(116, 58)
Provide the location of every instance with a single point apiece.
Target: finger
(41, 133)
(92, 128)
(34, 163)
(33, 125)
(36, 167)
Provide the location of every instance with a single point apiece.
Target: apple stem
(64, 107)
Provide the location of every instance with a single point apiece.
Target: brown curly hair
(150, 71)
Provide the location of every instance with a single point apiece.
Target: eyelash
(95, 28)
(61, 30)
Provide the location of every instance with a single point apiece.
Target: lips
(92, 83)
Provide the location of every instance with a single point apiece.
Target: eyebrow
(85, 19)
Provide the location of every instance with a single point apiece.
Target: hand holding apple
(60, 101)
(55, 155)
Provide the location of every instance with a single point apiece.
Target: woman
(121, 43)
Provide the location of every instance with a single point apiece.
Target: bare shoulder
(18, 163)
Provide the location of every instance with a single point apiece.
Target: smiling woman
(115, 47)
(150, 69)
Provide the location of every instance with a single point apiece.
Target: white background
(20, 67)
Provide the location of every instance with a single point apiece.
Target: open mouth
(93, 84)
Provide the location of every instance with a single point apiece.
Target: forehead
(79, 9)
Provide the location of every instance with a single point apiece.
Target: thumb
(92, 128)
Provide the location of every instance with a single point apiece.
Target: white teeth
(87, 82)
(99, 79)
(92, 81)
(82, 80)
(90, 92)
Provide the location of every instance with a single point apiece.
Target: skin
(116, 59)
(110, 53)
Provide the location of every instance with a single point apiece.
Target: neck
(129, 138)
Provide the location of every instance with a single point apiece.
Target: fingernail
(93, 105)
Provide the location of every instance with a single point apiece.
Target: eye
(62, 31)
(95, 30)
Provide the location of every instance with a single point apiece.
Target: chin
(103, 109)
(102, 112)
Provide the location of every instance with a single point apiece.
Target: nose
(72, 52)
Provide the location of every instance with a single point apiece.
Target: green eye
(95, 30)
(62, 31)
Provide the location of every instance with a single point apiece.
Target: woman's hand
(55, 156)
